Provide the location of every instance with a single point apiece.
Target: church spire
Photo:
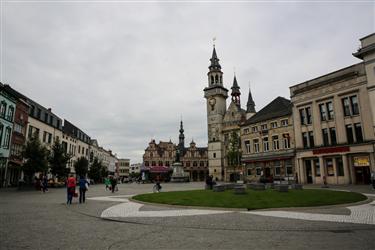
(250, 103)
(215, 76)
(236, 92)
(181, 142)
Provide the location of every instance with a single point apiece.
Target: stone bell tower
(216, 95)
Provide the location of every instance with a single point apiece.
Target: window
(188, 163)
(248, 171)
(277, 168)
(329, 167)
(340, 166)
(323, 113)
(302, 116)
(46, 117)
(354, 105)
(195, 164)
(79, 149)
(7, 137)
(247, 146)
(49, 138)
(160, 163)
(311, 139)
(289, 168)
(286, 141)
(305, 115)
(32, 110)
(146, 163)
(246, 131)
(273, 124)
(358, 132)
(3, 109)
(265, 144)
(317, 167)
(258, 171)
(256, 145)
(10, 113)
(275, 142)
(39, 114)
(1, 133)
(44, 136)
(18, 128)
(263, 127)
(346, 106)
(254, 129)
(325, 137)
(51, 120)
(304, 139)
(58, 124)
(349, 133)
(308, 115)
(201, 164)
(214, 156)
(284, 123)
(350, 105)
(330, 110)
(153, 163)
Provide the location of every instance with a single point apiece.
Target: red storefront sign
(331, 150)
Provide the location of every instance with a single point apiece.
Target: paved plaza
(33, 220)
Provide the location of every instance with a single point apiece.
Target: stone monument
(179, 174)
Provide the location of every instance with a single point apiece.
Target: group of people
(71, 184)
(111, 184)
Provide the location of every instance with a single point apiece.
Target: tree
(234, 151)
(58, 160)
(95, 171)
(81, 166)
(35, 155)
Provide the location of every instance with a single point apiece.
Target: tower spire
(236, 92)
(250, 103)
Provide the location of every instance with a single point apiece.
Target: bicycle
(156, 188)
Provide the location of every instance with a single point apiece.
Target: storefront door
(309, 178)
(362, 175)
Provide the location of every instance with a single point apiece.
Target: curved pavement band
(361, 214)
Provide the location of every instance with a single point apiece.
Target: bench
(297, 186)
(219, 188)
(258, 186)
(239, 190)
(282, 188)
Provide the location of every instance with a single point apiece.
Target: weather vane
(213, 40)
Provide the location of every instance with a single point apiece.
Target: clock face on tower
(212, 102)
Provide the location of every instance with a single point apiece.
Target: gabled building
(267, 141)
(192, 158)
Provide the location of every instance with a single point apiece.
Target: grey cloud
(125, 72)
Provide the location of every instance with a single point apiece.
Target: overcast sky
(126, 72)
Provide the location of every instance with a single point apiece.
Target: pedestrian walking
(71, 188)
(45, 184)
(113, 184)
(83, 187)
(107, 183)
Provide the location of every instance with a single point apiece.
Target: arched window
(216, 79)
(212, 80)
(221, 79)
(3, 108)
(10, 113)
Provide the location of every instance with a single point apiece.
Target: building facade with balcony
(267, 141)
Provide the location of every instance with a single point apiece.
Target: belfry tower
(216, 95)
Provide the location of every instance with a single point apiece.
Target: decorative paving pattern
(361, 214)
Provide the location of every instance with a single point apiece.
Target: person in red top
(71, 188)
